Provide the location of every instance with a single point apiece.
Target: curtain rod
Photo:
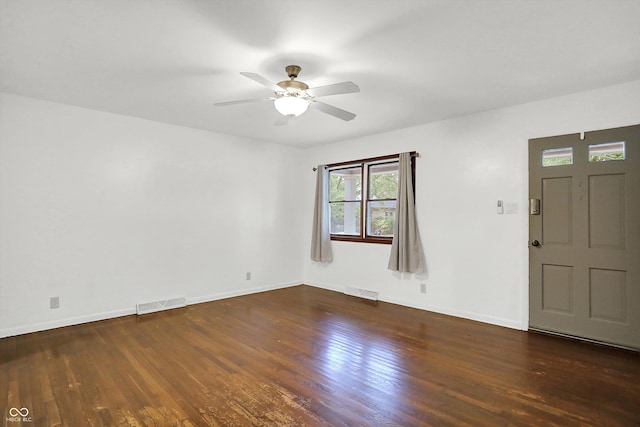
(416, 154)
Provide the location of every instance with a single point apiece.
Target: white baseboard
(325, 286)
(60, 323)
(231, 294)
(43, 326)
(479, 317)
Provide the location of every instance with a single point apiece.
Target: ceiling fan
(292, 97)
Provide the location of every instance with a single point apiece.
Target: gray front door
(584, 240)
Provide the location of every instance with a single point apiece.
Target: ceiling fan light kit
(292, 97)
(294, 100)
(291, 105)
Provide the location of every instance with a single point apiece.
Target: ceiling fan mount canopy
(288, 85)
(292, 71)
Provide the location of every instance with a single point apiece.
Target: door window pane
(606, 152)
(557, 156)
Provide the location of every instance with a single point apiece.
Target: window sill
(358, 239)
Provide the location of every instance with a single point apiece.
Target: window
(557, 157)
(381, 200)
(362, 199)
(345, 195)
(607, 152)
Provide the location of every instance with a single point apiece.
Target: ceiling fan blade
(263, 81)
(334, 89)
(333, 111)
(242, 101)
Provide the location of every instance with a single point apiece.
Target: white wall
(106, 211)
(477, 260)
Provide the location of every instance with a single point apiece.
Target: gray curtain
(320, 238)
(406, 250)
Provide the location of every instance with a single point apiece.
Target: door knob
(535, 243)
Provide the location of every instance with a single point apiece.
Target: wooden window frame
(365, 164)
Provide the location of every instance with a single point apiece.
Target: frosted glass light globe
(291, 105)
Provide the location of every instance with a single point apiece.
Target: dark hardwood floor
(303, 356)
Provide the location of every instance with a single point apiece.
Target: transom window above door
(607, 152)
(604, 152)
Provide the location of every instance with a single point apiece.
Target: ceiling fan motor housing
(293, 87)
(293, 84)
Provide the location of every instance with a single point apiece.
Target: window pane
(346, 184)
(381, 217)
(383, 181)
(345, 218)
(557, 156)
(606, 152)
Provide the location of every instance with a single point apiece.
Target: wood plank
(304, 356)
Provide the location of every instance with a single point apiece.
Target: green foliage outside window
(384, 186)
(606, 157)
(557, 161)
(337, 193)
(384, 225)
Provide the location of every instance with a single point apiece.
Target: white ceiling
(416, 61)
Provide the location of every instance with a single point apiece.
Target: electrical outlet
(54, 302)
(423, 288)
(248, 275)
